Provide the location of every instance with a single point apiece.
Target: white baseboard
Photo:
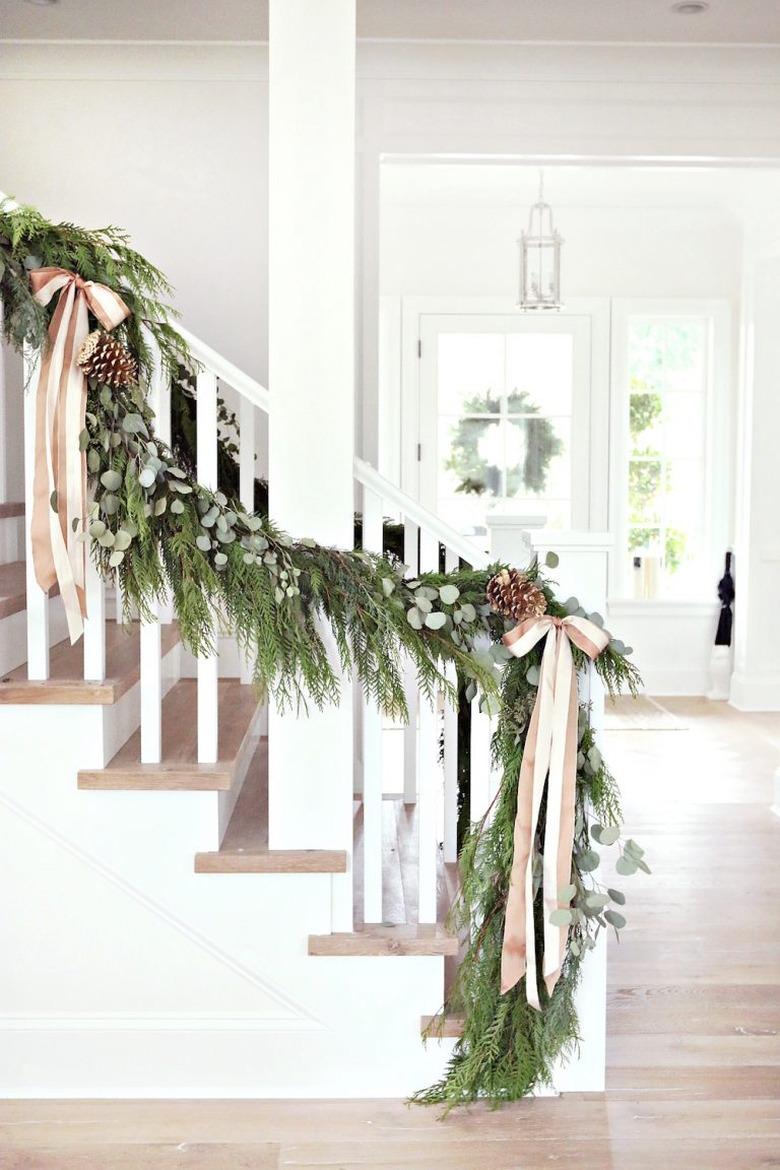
(756, 693)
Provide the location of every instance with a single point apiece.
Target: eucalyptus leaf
(449, 594)
(147, 477)
(111, 480)
(552, 560)
(203, 543)
(177, 507)
(122, 540)
(610, 835)
(435, 621)
(532, 676)
(467, 612)
(566, 893)
(588, 861)
(617, 896)
(414, 618)
(109, 504)
(561, 918)
(625, 866)
(614, 918)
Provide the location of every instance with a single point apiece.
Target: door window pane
(504, 425)
(471, 373)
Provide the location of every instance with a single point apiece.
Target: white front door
(504, 417)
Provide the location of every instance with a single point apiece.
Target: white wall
(173, 147)
(467, 250)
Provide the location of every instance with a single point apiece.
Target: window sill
(661, 607)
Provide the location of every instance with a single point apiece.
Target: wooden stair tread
(387, 940)
(9, 510)
(239, 722)
(66, 667)
(12, 588)
(449, 1028)
(244, 847)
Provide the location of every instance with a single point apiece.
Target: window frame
(416, 314)
(718, 462)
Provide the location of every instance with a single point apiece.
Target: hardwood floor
(693, 1050)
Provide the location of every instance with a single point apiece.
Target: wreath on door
(477, 473)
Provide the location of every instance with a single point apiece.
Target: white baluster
(246, 471)
(372, 750)
(95, 623)
(429, 784)
(451, 563)
(37, 601)
(208, 666)
(158, 396)
(411, 558)
(481, 773)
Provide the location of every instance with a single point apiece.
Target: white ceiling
(733, 191)
(726, 21)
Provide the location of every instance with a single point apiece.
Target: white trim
(756, 692)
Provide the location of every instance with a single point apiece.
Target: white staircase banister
(414, 511)
(216, 364)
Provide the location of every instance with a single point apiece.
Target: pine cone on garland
(514, 595)
(107, 360)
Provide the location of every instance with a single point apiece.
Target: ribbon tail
(56, 555)
(513, 952)
(519, 951)
(559, 830)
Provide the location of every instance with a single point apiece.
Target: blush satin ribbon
(550, 748)
(60, 405)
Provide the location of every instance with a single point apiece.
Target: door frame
(407, 436)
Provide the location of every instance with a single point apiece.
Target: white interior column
(311, 379)
(755, 684)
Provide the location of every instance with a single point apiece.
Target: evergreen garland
(169, 537)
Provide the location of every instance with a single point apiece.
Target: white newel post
(311, 364)
(582, 572)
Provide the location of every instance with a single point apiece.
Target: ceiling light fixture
(690, 7)
(43, 3)
(540, 258)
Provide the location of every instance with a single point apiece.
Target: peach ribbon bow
(60, 405)
(550, 749)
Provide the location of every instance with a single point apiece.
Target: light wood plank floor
(693, 1049)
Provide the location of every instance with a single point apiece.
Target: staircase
(160, 945)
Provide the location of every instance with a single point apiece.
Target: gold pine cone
(514, 595)
(107, 360)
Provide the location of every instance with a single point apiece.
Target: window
(501, 396)
(667, 544)
(507, 436)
